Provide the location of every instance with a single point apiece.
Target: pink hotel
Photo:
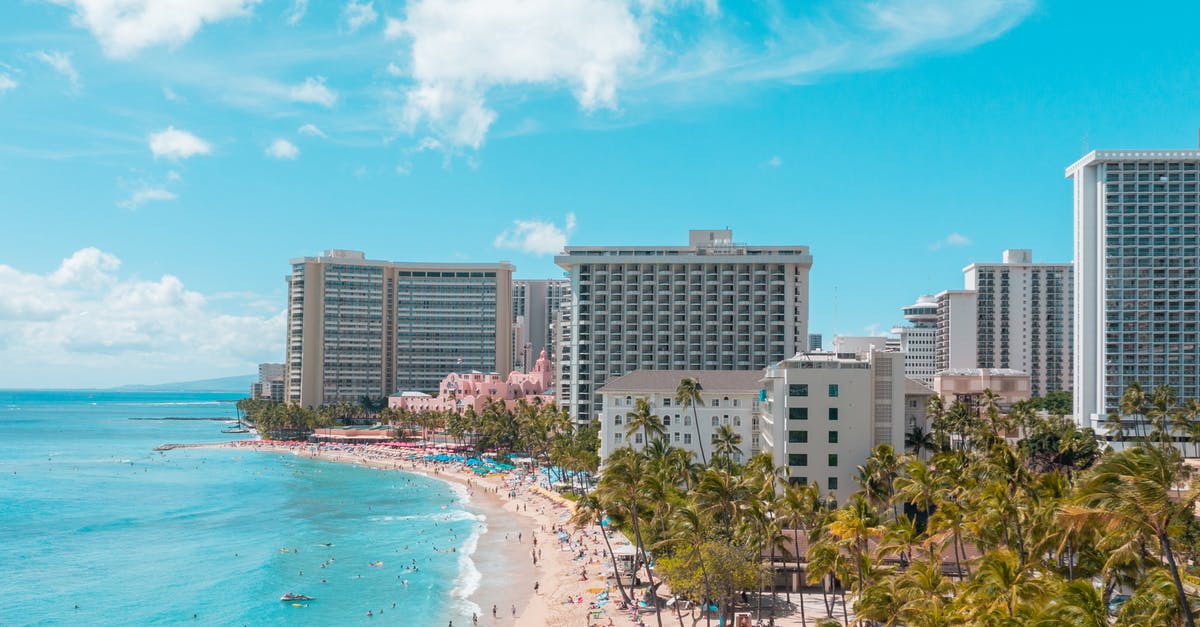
(458, 391)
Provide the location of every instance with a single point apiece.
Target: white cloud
(314, 91)
(953, 239)
(86, 319)
(312, 131)
(61, 63)
(144, 195)
(282, 149)
(357, 15)
(394, 70)
(774, 162)
(539, 238)
(584, 44)
(393, 28)
(6, 82)
(176, 144)
(125, 27)
(296, 12)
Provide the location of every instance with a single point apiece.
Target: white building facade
(957, 339)
(822, 415)
(1137, 276)
(728, 398)
(918, 340)
(711, 305)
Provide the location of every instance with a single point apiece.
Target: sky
(162, 160)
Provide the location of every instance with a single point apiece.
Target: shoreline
(571, 565)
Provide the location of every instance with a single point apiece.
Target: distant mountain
(239, 384)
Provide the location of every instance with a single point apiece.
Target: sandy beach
(519, 513)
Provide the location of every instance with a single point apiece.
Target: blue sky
(161, 160)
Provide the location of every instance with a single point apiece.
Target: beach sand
(512, 506)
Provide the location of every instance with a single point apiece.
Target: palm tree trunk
(637, 532)
(707, 588)
(1165, 541)
(613, 557)
(796, 547)
(699, 440)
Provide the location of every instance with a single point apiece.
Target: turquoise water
(91, 516)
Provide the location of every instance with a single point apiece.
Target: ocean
(99, 529)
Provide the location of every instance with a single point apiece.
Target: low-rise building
(822, 414)
(728, 398)
(459, 391)
(968, 383)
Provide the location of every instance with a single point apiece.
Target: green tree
(687, 394)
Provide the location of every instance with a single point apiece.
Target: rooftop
(1104, 156)
(981, 372)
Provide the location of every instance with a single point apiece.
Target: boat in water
(291, 596)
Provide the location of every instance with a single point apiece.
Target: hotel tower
(359, 327)
(1137, 276)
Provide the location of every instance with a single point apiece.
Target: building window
(832, 483)
(833, 413)
(833, 390)
(716, 421)
(798, 437)
(687, 421)
(687, 438)
(616, 437)
(797, 413)
(833, 460)
(666, 421)
(735, 402)
(801, 481)
(617, 419)
(797, 459)
(833, 437)
(713, 439)
(677, 436)
(737, 421)
(798, 389)
(716, 402)
(637, 438)
(666, 402)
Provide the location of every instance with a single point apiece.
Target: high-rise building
(823, 414)
(359, 327)
(270, 382)
(815, 342)
(710, 305)
(957, 341)
(918, 340)
(1137, 276)
(1024, 314)
(534, 304)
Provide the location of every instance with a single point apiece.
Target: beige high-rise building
(711, 305)
(535, 303)
(360, 327)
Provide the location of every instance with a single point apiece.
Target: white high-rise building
(711, 305)
(1024, 318)
(1137, 276)
(823, 414)
(918, 340)
(957, 339)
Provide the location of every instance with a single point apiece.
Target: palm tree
(725, 443)
(589, 511)
(919, 442)
(801, 509)
(689, 529)
(621, 489)
(1129, 492)
(1134, 404)
(1002, 581)
(643, 419)
(687, 394)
